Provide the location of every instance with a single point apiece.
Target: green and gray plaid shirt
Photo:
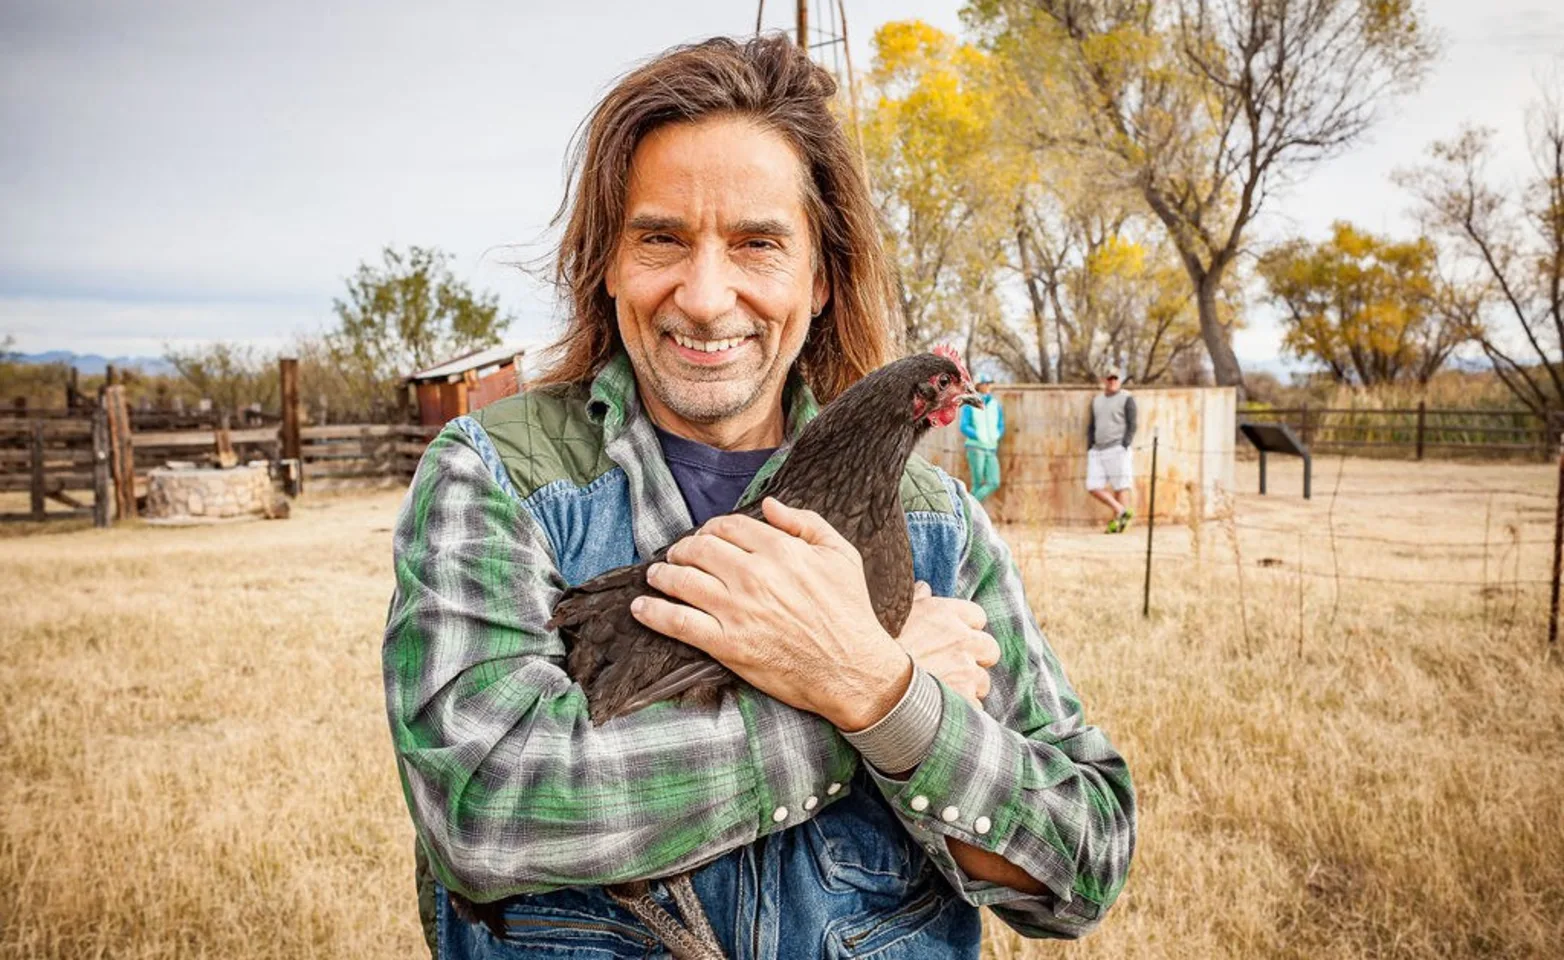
(513, 790)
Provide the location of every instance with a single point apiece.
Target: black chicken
(846, 465)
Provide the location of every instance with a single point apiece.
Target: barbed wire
(1282, 568)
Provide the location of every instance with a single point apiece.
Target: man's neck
(761, 427)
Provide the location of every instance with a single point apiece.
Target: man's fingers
(804, 524)
(988, 651)
(972, 615)
(710, 552)
(745, 533)
(678, 621)
(966, 612)
(689, 584)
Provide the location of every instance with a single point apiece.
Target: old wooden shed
(1042, 458)
(467, 383)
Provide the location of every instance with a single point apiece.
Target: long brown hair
(772, 82)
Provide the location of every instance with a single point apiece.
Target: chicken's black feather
(846, 465)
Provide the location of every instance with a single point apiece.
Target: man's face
(712, 281)
(983, 386)
(1110, 385)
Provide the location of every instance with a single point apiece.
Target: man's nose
(707, 290)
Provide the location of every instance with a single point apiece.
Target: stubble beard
(707, 396)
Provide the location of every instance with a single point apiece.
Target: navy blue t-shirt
(710, 479)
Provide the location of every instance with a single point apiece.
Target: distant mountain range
(92, 363)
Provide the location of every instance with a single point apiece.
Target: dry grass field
(194, 760)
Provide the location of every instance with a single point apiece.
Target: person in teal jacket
(983, 426)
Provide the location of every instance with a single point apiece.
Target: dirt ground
(1344, 733)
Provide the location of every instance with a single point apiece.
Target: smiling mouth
(706, 346)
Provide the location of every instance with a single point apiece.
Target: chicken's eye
(944, 380)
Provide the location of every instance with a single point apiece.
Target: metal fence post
(1558, 557)
(1422, 416)
(1151, 526)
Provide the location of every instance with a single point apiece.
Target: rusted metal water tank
(1042, 458)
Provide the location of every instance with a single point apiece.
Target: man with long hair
(724, 278)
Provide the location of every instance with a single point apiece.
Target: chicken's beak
(970, 399)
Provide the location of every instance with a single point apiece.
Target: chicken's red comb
(949, 353)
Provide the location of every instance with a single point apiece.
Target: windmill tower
(820, 28)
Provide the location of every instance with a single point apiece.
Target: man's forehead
(731, 173)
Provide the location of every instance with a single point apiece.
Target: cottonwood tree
(1369, 308)
(942, 179)
(407, 313)
(1506, 250)
(1205, 107)
(1111, 284)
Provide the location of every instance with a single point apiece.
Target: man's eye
(657, 238)
(760, 243)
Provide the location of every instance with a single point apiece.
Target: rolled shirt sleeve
(1025, 777)
(511, 787)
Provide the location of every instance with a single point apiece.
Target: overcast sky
(184, 170)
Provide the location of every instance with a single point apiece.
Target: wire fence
(1501, 546)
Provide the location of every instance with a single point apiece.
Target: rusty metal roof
(491, 356)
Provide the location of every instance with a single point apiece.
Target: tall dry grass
(194, 761)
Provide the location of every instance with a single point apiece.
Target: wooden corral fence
(57, 458)
(1416, 431)
(95, 462)
(357, 453)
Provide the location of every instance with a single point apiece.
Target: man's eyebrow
(756, 227)
(652, 221)
(763, 227)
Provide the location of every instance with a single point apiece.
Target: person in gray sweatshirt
(1110, 431)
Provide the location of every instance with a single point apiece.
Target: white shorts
(1111, 467)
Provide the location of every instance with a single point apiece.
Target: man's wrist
(901, 739)
(868, 708)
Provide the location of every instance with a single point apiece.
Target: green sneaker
(1124, 520)
(1116, 524)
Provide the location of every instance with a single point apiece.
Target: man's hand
(784, 605)
(945, 637)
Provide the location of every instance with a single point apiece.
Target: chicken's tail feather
(669, 686)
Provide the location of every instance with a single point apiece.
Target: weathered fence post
(288, 370)
(290, 435)
(1422, 416)
(100, 467)
(226, 457)
(1151, 527)
(1558, 556)
(121, 452)
(1303, 427)
(73, 391)
(37, 483)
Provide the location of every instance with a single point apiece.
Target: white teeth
(707, 346)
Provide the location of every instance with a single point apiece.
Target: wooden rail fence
(95, 465)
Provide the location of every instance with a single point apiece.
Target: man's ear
(611, 279)
(820, 295)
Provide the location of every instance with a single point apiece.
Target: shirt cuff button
(831, 790)
(949, 814)
(811, 802)
(920, 803)
(982, 825)
(779, 814)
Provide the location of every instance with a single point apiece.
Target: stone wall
(194, 494)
